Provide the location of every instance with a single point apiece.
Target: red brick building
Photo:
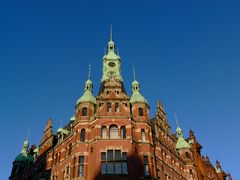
(112, 136)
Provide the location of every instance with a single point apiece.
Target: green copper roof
(21, 157)
(60, 130)
(137, 97)
(181, 142)
(73, 118)
(24, 156)
(87, 97)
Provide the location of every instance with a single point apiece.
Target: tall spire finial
(134, 73)
(110, 32)
(176, 119)
(89, 71)
(28, 134)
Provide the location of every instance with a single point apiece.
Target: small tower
(182, 145)
(85, 106)
(111, 62)
(22, 162)
(140, 107)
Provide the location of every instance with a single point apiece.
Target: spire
(89, 71)
(27, 134)
(181, 142)
(87, 95)
(176, 119)
(110, 32)
(136, 95)
(134, 73)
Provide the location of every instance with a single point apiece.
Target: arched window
(113, 132)
(82, 135)
(143, 135)
(123, 132)
(109, 107)
(117, 108)
(104, 132)
(70, 149)
(84, 111)
(140, 111)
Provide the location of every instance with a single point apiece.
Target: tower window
(117, 108)
(140, 111)
(143, 135)
(82, 135)
(123, 132)
(81, 166)
(113, 132)
(104, 132)
(84, 111)
(109, 107)
(145, 166)
(187, 155)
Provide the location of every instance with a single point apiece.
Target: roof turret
(181, 142)
(87, 95)
(24, 155)
(136, 95)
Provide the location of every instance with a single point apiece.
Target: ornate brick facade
(112, 136)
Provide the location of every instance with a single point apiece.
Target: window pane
(83, 135)
(124, 168)
(110, 168)
(146, 170)
(123, 132)
(81, 159)
(117, 168)
(118, 155)
(145, 160)
(103, 168)
(124, 156)
(80, 170)
(113, 132)
(103, 156)
(110, 155)
(104, 132)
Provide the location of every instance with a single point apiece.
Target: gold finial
(89, 71)
(110, 32)
(134, 73)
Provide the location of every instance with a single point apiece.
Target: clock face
(111, 64)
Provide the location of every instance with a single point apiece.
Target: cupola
(87, 95)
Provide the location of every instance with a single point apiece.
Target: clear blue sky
(186, 53)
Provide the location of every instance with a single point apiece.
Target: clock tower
(111, 62)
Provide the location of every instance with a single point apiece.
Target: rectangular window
(114, 162)
(145, 165)
(81, 166)
(117, 108)
(109, 107)
(73, 169)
